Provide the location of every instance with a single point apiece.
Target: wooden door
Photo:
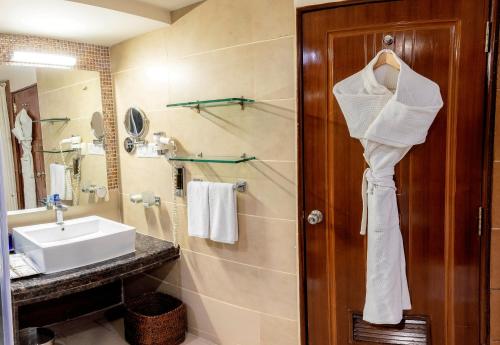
(439, 182)
(27, 98)
(15, 149)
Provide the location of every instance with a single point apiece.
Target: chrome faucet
(60, 209)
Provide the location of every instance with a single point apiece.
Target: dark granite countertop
(150, 253)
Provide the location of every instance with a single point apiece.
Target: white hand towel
(198, 209)
(223, 213)
(57, 180)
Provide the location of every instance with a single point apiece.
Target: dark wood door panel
(439, 182)
(27, 98)
(424, 238)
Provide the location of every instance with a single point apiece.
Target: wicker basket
(155, 319)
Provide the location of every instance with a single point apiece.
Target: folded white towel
(223, 213)
(57, 179)
(198, 209)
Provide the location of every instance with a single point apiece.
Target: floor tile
(101, 331)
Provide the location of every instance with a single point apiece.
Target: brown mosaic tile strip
(90, 57)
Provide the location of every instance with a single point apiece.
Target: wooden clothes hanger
(387, 58)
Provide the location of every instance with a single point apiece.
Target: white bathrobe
(389, 111)
(23, 129)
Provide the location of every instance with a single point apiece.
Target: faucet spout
(60, 209)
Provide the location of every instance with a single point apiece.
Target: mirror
(136, 122)
(49, 120)
(97, 125)
(129, 145)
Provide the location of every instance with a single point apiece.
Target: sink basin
(79, 242)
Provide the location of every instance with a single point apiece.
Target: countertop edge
(150, 253)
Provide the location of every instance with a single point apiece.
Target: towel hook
(388, 40)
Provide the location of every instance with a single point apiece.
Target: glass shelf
(214, 159)
(58, 151)
(213, 103)
(54, 120)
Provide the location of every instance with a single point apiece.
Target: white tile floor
(102, 332)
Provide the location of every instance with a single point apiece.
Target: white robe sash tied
(372, 180)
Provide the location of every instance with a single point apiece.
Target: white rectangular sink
(79, 242)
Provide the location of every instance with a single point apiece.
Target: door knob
(315, 217)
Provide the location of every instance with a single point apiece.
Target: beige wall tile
(170, 273)
(245, 293)
(73, 101)
(145, 87)
(224, 23)
(154, 221)
(247, 286)
(277, 331)
(49, 79)
(263, 242)
(146, 174)
(266, 243)
(220, 322)
(265, 129)
(271, 185)
(148, 49)
(264, 71)
(227, 323)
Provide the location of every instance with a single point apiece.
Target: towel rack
(240, 186)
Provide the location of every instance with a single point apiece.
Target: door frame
(15, 148)
(488, 150)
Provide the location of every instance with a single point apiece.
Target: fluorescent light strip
(42, 59)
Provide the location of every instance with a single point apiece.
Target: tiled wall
(91, 58)
(245, 293)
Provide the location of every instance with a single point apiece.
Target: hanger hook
(388, 40)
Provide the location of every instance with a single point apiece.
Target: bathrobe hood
(406, 114)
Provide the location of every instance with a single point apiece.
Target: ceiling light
(42, 59)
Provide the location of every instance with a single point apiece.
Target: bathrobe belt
(371, 180)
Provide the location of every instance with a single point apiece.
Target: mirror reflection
(49, 120)
(97, 125)
(135, 122)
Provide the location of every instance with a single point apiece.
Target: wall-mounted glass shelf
(58, 151)
(214, 159)
(198, 105)
(54, 120)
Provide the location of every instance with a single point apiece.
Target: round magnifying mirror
(97, 125)
(136, 122)
(129, 145)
